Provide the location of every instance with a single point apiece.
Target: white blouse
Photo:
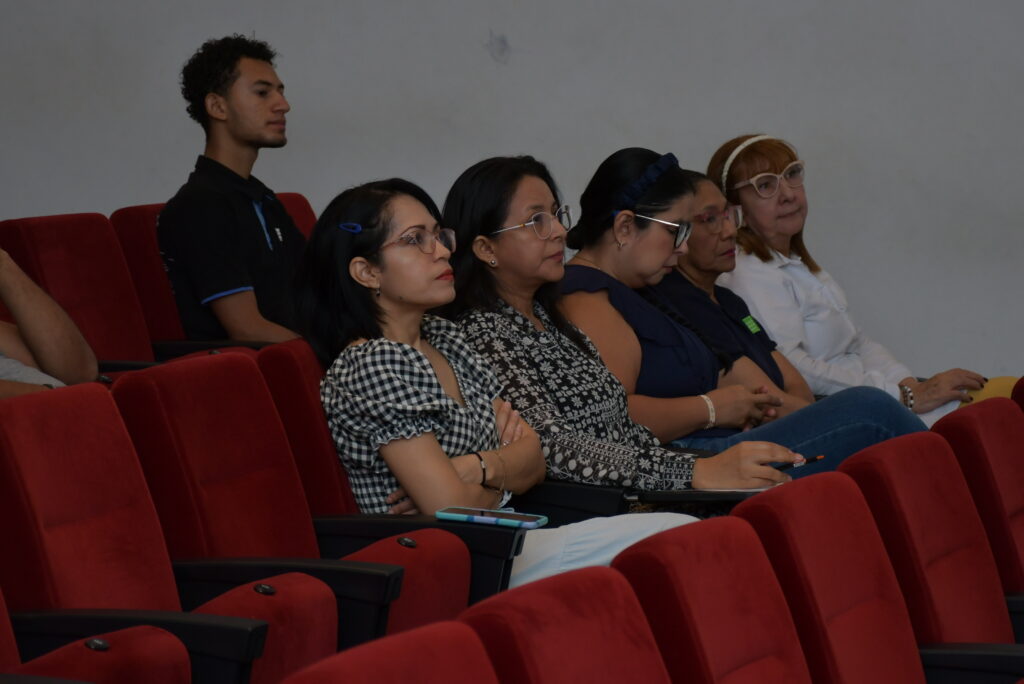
(806, 314)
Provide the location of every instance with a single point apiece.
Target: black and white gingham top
(573, 402)
(382, 390)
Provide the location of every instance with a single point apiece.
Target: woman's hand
(737, 406)
(942, 388)
(402, 503)
(743, 467)
(508, 423)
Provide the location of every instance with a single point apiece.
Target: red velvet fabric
(217, 459)
(986, 438)
(299, 209)
(714, 604)
(435, 585)
(441, 653)
(935, 539)
(136, 231)
(293, 374)
(579, 626)
(303, 619)
(841, 589)
(139, 654)
(77, 260)
(80, 530)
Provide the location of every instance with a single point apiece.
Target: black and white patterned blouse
(381, 390)
(575, 404)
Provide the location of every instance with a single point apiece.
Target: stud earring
(620, 244)
(377, 292)
(493, 263)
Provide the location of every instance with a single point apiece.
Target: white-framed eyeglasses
(679, 235)
(766, 184)
(713, 221)
(543, 222)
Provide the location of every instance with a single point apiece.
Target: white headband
(742, 146)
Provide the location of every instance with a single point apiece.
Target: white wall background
(909, 116)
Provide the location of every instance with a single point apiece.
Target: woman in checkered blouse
(413, 411)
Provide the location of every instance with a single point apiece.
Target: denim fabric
(836, 426)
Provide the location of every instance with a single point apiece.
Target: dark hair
(214, 67)
(476, 205)
(332, 309)
(617, 184)
(647, 182)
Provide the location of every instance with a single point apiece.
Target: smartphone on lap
(487, 516)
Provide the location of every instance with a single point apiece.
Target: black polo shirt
(728, 325)
(223, 234)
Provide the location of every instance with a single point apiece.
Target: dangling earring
(377, 292)
(620, 244)
(493, 263)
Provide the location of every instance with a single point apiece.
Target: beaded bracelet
(711, 411)
(907, 396)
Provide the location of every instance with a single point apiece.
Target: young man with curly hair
(229, 246)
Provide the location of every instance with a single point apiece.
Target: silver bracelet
(711, 411)
(907, 396)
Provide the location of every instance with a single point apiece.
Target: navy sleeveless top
(728, 325)
(675, 362)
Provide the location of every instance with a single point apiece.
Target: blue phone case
(538, 520)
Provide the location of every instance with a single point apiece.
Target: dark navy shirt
(675, 362)
(728, 325)
(222, 234)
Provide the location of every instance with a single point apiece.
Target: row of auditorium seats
(879, 573)
(108, 276)
(716, 605)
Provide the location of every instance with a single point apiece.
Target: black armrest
(693, 496)
(969, 663)
(31, 679)
(169, 349)
(221, 648)
(491, 548)
(364, 590)
(112, 366)
(1015, 606)
(568, 502)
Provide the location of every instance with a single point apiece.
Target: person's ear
(483, 249)
(216, 106)
(364, 273)
(624, 227)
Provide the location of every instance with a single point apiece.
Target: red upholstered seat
(987, 440)
(834, 572)
(299, 209)
(579, 626)
(225, 484)
(935, 539)
(76, 259)
(133, 655)
(714, 604)
(293, 374)
(80, 531)
(441, 653)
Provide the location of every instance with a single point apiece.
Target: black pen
(787, 466)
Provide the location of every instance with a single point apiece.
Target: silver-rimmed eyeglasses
(766, 184)
(679, 235)
(543, 222)
(424, 239)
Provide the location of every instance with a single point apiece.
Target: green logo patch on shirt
(751, 324)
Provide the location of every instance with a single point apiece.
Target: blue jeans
(836, 426)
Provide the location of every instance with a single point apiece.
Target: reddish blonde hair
(771, 155)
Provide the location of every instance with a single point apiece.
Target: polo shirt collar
(780, 260)
(251, 186)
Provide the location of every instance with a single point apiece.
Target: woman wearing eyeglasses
(507, 213)
(801, 306)
(414, 413)
(636, 214)
(720, 315)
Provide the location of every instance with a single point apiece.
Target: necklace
(594, 264)
(696, 284)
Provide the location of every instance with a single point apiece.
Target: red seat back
(80, 530)
(714, 604)
(136, 231)
(935, 539)
(299, 209)
(986, 438)
(835, 574)
(1018, 393)
(217, 459)
(441, 653)
(76, 259)
(293, 374)
(579, 626)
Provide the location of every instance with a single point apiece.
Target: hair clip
(353, 228)
(628, 196)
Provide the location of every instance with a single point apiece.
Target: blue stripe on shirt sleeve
(225, 293)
